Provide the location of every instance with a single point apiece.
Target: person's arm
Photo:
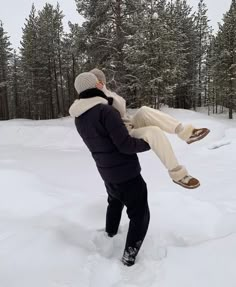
(119, 103)
(119, 133)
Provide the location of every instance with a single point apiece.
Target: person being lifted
(150, 125)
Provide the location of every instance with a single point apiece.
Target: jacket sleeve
(119, 133)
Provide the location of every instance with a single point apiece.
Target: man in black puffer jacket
(114, 152)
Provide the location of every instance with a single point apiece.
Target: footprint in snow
(219, 144)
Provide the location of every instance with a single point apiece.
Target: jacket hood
(81, 106)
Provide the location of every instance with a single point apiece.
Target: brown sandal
(197, 135)
(188, 182)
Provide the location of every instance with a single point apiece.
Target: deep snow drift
(53, 203)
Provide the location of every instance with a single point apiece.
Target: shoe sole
(199, 138)
(186, 186)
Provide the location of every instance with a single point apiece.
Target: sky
(14, 12)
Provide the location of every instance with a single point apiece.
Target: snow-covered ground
(53, 203)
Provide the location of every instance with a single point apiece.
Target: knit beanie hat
(99, 74)
(85, 81)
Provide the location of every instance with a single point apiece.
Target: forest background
(153, 53)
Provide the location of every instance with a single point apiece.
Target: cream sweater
(119, 104)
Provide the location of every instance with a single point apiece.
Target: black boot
(129, 255)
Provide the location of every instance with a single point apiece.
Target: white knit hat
(99, 74)
(85, 81)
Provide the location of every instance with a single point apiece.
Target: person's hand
(99, 85)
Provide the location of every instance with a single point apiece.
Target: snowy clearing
(53, 204)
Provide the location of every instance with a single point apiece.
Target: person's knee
(140, 116)
(140, 214)
(146, 215)
(143, 110)
(141, 211)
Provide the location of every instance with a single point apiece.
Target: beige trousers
(150, 124)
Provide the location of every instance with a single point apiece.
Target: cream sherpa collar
(83, 105)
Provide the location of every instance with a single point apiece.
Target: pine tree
(50, 88)
(145, 53)
(108, 28)
(219, 71)
(74, 57)
(29, 54)
(5, 54)
(42, 63)
(181, 61)
(210, 60)
(203, 41)
(225, 66)
(230, 57)
(59, 33)
(15, 86)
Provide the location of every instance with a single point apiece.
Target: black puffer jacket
(107, 138)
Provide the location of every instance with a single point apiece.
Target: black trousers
(133, 195)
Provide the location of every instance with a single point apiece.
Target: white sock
(179, 128)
